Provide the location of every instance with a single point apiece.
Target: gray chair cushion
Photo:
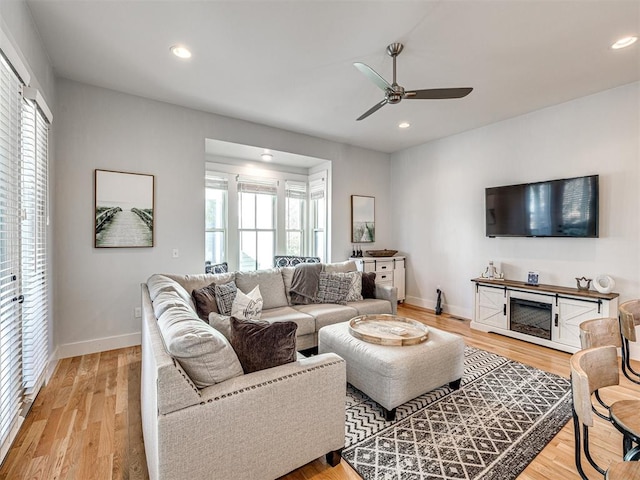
(327, 313)
(371, 306)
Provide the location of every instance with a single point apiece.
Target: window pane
(318, 244)
(294, 243)
(265, 207)
(214, 247)
(295, 207)
(247, 210)
(248, 252)
(320, 214)
(215, 209)
(266, 244)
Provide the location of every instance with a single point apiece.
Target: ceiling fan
(393, 92)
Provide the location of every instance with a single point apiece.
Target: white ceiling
(289, 64)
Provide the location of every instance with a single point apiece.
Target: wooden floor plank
(86, 422)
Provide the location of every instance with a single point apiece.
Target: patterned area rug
(501, 418)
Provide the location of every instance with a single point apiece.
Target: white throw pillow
(247, 306)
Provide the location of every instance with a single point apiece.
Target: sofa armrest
(270, 421)
(387, 292)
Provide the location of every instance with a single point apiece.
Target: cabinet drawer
(384, 266)
(384, 277)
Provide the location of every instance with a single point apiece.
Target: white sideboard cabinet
(389, 271)
(547, 315)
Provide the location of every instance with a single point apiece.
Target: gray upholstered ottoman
(393, 375)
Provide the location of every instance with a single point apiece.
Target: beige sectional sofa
(259, 425)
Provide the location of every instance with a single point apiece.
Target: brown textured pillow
(205, 301)
(260, 344)
(369, 285)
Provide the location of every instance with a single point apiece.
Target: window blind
(317, 189)
(295, 190)
(10, 316)
(264, 186)
(34, 246)
(213, 181)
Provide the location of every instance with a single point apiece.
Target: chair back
(592, 369)
(600, 332)
(629, 318)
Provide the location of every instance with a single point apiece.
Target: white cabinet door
(570, 314)
(491, 307)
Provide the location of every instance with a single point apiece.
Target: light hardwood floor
(85, 424)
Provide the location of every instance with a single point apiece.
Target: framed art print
(363, 219)
(124, 213)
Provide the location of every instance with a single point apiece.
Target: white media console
(547, 315)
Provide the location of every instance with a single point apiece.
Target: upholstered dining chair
(591, 369)
(600, 332)
(629, 319)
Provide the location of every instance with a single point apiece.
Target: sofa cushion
(355, 287)
(191, 282)
(160, 283)
(203, 352)
(369, 285)
(306, 323)
(165, 300)
(328, 313)
(261, 344)
(204, 300)
(222, 323)
(340, 267)
(333, 288)
(371, 306)
(247, 306)
(271, 286)
(225, 294)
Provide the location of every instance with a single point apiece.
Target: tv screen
(556, 208)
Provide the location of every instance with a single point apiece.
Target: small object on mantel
(381, 253)
(583, 283)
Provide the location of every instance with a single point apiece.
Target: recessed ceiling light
(266, 156)
(404, 125)
(624, 42)
(180, 51)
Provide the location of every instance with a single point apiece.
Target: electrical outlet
(137, 312)
(175, 253)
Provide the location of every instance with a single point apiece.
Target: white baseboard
(431, 305)
(98, 345)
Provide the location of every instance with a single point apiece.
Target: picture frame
(124, 209)
(532, 279)
(363, 210)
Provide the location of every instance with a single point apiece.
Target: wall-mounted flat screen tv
(556, 208)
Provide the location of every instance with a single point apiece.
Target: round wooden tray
(388, 330)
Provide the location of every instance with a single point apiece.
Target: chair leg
(578, 446)
(626, 363)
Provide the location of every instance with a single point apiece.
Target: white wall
(98, 128)
(438, 199)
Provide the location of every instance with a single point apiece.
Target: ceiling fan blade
(373, 109)
(438, 93)
(372, 75)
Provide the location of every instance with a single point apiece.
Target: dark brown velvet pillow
(205, 301)
(369, 285)
(260, 344)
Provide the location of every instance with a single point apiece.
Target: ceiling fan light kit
(394, 93)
